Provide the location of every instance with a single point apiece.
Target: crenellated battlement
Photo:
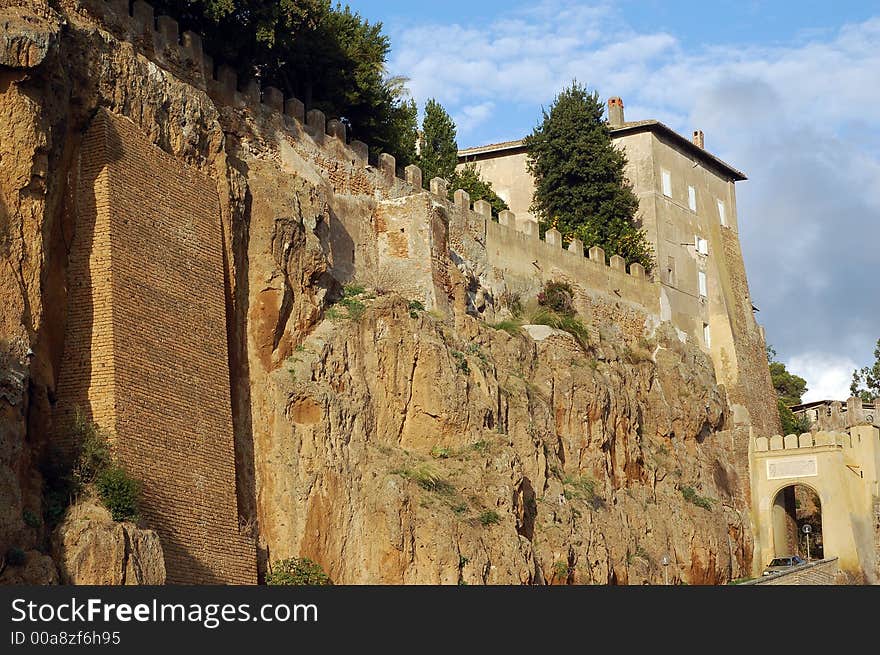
(159, 38)
(511, 246)
(799, 442)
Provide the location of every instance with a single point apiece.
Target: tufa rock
(92, 549)
(26, 37)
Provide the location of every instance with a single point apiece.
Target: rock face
(92, 549)
(390, 446)
(37, 569)
(26, 37)
(414, 450)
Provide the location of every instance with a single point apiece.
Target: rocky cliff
(389, 444)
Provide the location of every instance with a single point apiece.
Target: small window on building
(721, 213)
(692, 198)
(667, 183)
(707, 337)
(701, 245)
(704, 286)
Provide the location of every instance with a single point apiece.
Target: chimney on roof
(699, 139)
(615, 112)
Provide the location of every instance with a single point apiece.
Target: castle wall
(155, 300)
(413, 249)
(604, 294)
(503, 253)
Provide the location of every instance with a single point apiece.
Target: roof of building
(630, 127)
(821, 403)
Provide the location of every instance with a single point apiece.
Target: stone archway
(794, 506)
(841, 468)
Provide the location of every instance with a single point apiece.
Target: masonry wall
(841, 469)
(166, 356)
(413, 249)
(826, 572)
(86, 382)
(748, 345)
(605, 293)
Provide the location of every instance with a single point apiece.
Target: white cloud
(799, 119)
(471, 115)
(828, 376)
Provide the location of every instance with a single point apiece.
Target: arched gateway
(842, 468)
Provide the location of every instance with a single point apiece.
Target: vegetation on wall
(328, 56)
(557, 296)
(89, 467)
(866, 381)
(553, 307)
(790, 389)
(580, 187)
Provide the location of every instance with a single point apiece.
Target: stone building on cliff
(687, 207)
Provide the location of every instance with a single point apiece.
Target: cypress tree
(580, 187)
(439, 158)
(438, 155)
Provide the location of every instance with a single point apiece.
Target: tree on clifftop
(438, 150)
(329, 57)
(790, 389)
(866, 381)
(438, 157)
(580, 188)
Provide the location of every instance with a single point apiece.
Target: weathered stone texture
(26, 35)
(93, 549)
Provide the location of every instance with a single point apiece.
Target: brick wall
(150, 309)
(86, 381)
(826, 572)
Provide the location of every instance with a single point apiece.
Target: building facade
(687, 207)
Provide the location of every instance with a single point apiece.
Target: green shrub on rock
(119, 492)
(557, 296)
(297, 571)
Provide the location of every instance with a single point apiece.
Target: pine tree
(580, 187)
(438, 150)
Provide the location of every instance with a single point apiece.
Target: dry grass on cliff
(427, 478)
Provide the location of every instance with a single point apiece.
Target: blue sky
(786, 91)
